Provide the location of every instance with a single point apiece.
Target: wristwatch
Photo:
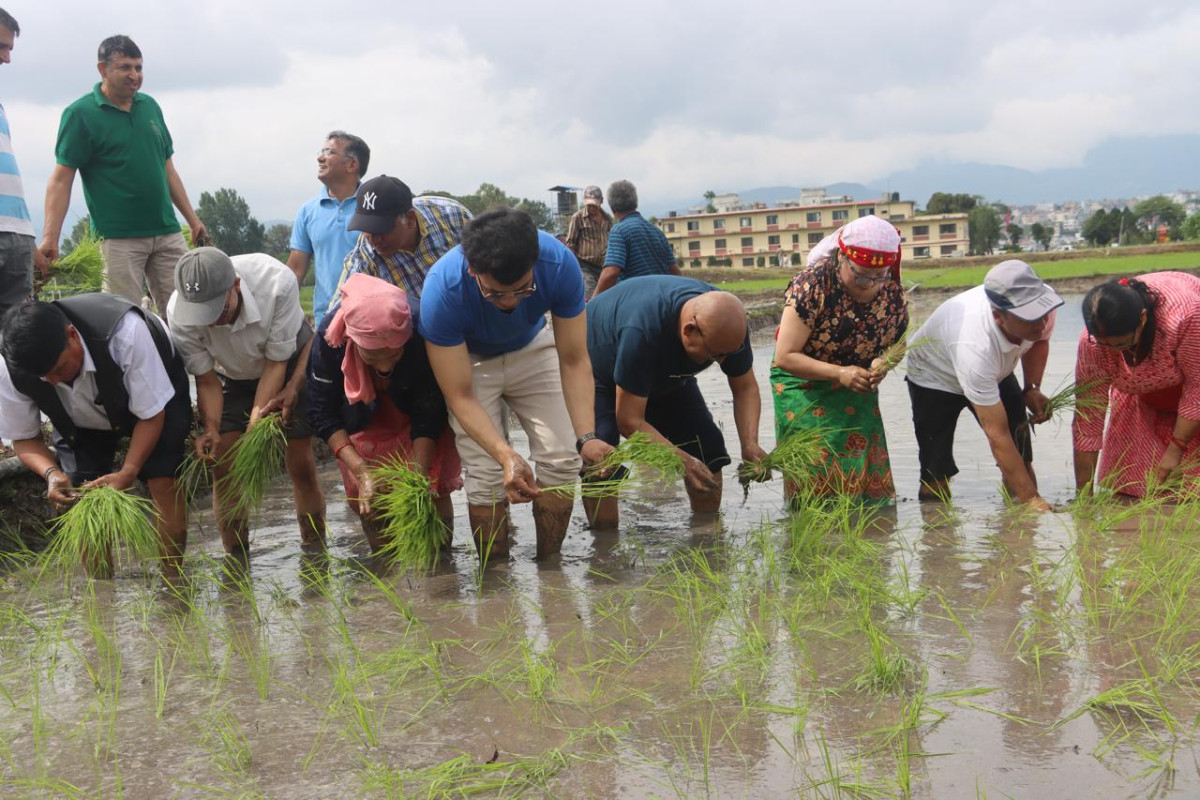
(582, 440)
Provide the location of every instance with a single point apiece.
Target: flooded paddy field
(924, 650)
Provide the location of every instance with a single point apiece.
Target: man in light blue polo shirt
(18, 255)
(320, 227)
(483, 318)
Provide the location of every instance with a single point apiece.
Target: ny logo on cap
(369, 201)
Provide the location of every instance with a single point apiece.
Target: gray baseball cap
(202, 279)
(1014, 287)
(593, 195)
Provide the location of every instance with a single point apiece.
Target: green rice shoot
(1072, 396)
(255, 458)
(893, 355)
(414, 533)
(796, 458)
(104, 520)
(654, 462)
(194, 475)
(81, 270)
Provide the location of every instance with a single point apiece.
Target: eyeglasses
(515, 294)
(1125, 346)
(327, 152)
(865, 279)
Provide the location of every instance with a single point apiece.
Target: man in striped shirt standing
(402, 236)
(18, 256)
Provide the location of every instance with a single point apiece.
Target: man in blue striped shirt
(636, 246)
(18, 256)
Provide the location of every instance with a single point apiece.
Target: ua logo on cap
(369, 201)
(191, 287)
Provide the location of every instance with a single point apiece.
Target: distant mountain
(1123, 167)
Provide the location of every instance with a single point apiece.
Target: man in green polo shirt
(117, 140)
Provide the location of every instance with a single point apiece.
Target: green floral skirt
(857, 459)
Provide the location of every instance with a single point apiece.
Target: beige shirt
(265, 330)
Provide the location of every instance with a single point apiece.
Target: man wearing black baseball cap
(401, 236)
(964, 356)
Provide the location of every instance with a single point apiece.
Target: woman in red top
(1140, 355)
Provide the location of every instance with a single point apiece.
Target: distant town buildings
(758, 235)
(1067, 219)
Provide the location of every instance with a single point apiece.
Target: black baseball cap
(379, 201)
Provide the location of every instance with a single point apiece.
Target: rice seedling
(415, 535)
(81, 270)
(1071, 396)
(195, 476)
(255, 458)
(795, 458)
(104, 522)
(465, 776)
(655, 462)
(891, 356)
(222, 735)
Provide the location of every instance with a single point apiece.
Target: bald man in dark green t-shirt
(116, 138)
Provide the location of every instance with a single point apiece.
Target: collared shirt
(265, 329)
(122, 158)
(146, 381)
(962, 350)
(587, 238)
(14, 213)
(637, 247)
(320, 231)
(441, 222)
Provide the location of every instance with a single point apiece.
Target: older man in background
(636, 246)
(587, 236)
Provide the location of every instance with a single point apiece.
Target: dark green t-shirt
(122, 158)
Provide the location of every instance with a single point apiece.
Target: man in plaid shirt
(402, 236)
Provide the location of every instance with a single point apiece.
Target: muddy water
(678, 657)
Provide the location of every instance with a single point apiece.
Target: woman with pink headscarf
(840, 313)
(372, 395)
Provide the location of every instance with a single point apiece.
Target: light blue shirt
(320, 231)
(14, 214)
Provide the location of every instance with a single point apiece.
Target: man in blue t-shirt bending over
(648, 337)
(483, 320)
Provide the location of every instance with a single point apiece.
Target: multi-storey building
(783, 235)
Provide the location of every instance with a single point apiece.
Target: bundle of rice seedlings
(195, 475)
(81, 270)
(404, 501)
(101, 521)
(655, 461)
(255, 458)
(891, 357)
(1072, 396)
(794, 458)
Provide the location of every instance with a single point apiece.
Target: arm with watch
(579, 386)
(1033, 368)
(36, 456)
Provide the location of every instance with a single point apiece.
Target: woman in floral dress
(840, 313)
(1140, 359)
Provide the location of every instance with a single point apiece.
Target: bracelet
(1030, 388)
(1182, 445)
(341, 447)
(582, 440)
(54, 468)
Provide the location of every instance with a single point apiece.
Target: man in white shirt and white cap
(238, 324)
(965, 357)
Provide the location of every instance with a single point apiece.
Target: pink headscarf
(374, 314)
(868, 241)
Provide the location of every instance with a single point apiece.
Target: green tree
(1191, 228)
(1102, 228)
(984, 225)
(278, 240)
(1014, 233)
(79, 232)
(1042, 234)
(1160, 210)
(230, 225)
(489, 196)
(709, 196)
(945, 203)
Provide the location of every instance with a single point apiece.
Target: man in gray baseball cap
(238, 325)
(968, 353)
(587, 236)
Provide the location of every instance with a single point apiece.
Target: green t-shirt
(122, 157)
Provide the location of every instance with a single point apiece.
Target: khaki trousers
(148, 261)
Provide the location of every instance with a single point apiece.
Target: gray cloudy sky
(678, 97)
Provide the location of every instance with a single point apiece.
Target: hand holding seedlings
(856, 379)
(284, 403)
(518, 480)
(205, 446)
(120, 480)
(697, 475)
(1038, 405)
(59, 490)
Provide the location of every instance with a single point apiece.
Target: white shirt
(265, 330)
(960, 349)
(146, 381)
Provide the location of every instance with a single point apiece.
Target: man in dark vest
(101, 369)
